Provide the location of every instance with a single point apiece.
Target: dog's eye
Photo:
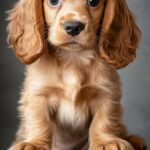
(93, 3)
(54, 2)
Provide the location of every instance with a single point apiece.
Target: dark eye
(54, 2)
(93, 3)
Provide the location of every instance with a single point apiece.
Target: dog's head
(105, 25)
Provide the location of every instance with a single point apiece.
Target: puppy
(71, 94)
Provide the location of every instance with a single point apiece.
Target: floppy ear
(120, 35)
(26, 30)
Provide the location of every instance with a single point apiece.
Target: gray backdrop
(135, 79)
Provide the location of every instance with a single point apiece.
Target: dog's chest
(71, 84)
(68, 113)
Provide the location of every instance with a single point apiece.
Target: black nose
(73, 28)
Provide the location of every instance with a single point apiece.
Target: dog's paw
(113, 145)
(28, 146)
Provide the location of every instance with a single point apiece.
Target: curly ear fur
(25, 29)
(120, 36)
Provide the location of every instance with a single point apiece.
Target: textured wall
(135, 79)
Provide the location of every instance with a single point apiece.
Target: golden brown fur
(71, 95)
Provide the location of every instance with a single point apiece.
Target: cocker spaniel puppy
(71, 95)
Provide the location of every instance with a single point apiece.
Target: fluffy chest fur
(61, 87)
(71, 122)
(68, 113)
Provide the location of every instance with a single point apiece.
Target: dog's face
(73, 24)
(106, 26)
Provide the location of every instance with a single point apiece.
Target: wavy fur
(71, 93)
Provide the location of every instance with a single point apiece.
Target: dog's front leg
(36, 122)
(106, 131)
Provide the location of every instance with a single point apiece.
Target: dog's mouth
(72, 43)
(72, 46)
